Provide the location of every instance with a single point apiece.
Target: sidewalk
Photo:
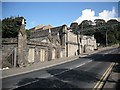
(42, 65)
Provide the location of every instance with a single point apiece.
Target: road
(84, 72)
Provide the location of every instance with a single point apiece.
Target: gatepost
(22, 44)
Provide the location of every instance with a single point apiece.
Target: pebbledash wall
(46, 45)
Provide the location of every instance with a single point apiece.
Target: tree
(28, 32)
(112, 21)
(74, 26)
(99, 22)
(114, 32)
(100, 37)
(85, 24)
(11, 26)
(111, 27)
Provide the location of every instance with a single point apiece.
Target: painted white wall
(42, 55)
(72, 50)
(53, 53)
(31, 55)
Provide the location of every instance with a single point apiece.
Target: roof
(44, 33)
(39, 26)
(47, 27)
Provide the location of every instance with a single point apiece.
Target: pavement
(41, 65)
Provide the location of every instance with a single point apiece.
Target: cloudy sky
(59, 13)
(89, 14)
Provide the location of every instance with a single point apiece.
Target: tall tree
(112, 21)
(114, 32)
(85, 24)
(99, 22)
(11, 26)
(74, 26)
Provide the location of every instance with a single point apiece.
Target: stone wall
(35, 52)
(72, 44)
(72, 37)
(88, 43)
(9, 54)
(47, 45)
(72, 50)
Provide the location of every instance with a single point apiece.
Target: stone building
(45, 45)
(64, 43)
(88, 43)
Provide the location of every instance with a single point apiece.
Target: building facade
(47, 45)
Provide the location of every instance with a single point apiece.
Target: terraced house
(45, 44)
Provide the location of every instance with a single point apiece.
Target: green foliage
(28, 32)
(85, 24)
(100, 37)
(74, 26)
(11, 26)
(99, 22)
(112, 27)
(114, 32)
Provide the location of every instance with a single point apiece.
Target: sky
(59, 13)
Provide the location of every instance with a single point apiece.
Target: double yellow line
(100, 83)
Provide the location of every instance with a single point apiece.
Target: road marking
(39, 68)
(53, 75)
(72, 68)
(24, 84)
(83, 64)
(100, 83)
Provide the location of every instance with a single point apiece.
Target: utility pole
(106, 39)
(80, 39)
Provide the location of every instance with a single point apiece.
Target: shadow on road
(44, 83)
(69, 79)
(75, 76)
(105, 57)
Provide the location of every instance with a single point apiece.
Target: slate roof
(44, 33)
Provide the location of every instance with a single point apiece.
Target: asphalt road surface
(81, 73)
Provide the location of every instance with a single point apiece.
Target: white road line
(83, 64)
(39, 68)
(72, 68)
(55, 74)
(24, 84)
(100, 83)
